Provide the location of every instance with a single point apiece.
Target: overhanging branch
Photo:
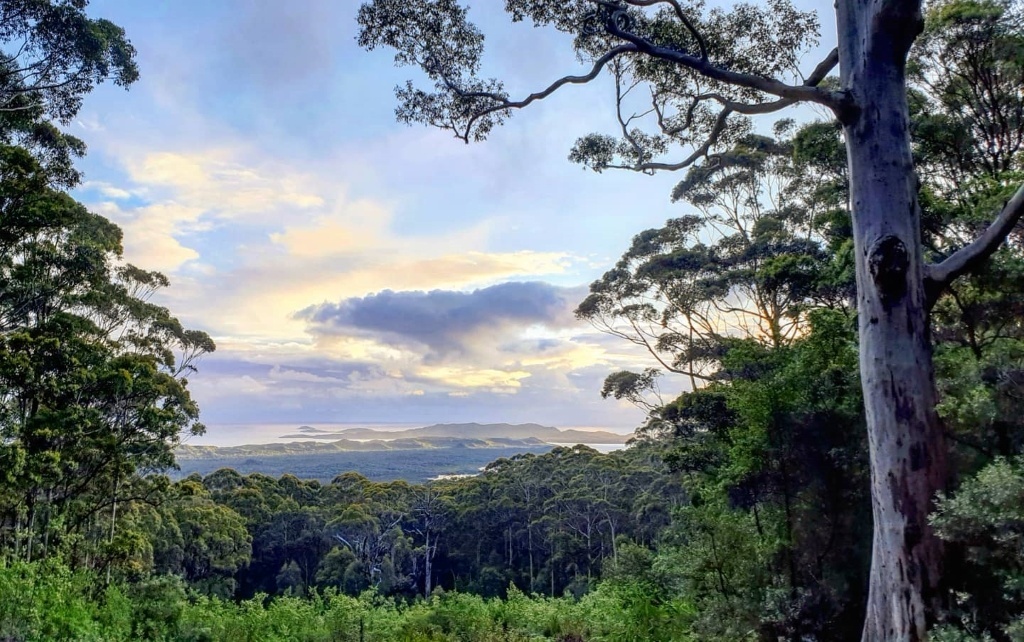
(970, 257)
(502, 103)
(787, 94)
(681, 15)
(730, 107)
(817, 75)
(835, 101)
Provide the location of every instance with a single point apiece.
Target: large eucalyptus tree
(705, 72)
(52, 53)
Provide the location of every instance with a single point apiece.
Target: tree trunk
(529, 543)
(906, 442)
(427, 568)
(31, 528)
(113, 525)
(615, 550)
(17, 534)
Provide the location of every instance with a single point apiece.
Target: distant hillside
(546, 434)
(347, 445)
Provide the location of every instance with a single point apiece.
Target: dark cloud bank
(440, 319)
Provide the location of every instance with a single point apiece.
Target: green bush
(46, 601)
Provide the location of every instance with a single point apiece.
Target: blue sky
(352, 269)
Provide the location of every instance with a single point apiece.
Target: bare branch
(640, 338)
(817, 75)
(21, 50)
(504, 103)
(697, 154)
(26, 107)
(968, 258)
(623, 122)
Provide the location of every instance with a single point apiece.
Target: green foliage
(546, 522)
(47, 601)
(749, 265)
(92, 375)
(986, 518)
(199, 540)
(93, 382)
(974, 123)
(53, 54)
(775, 541)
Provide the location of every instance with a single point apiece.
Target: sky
(350, 268)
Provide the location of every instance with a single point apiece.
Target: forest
(757, 505)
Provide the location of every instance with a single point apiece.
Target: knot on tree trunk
(888, 261)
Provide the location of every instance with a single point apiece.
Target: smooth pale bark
(428, 564)
(907, 445)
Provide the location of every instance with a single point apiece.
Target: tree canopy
(687, 78)
(93, 375)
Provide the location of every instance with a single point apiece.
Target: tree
(55, 54)
(749, 265)
(986, 517)
(429, 509)
(370, 526)
(93, 375)
(704, 71)
(203, 542)
(51, 55)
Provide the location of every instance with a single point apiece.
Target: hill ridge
(470, 430)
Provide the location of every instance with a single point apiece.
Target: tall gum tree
(706, 72)
(52, 54)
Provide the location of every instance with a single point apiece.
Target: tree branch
(966, 259)
(730, 107)
(697, 154)
(817, 75)
(835, 101)
(681, 15)
(504, 103)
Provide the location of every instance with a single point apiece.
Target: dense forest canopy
(742, 509)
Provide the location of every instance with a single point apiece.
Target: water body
(414, 466)
(241, 434)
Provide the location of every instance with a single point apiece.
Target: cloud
(444, 320)
(170, 200)
(490, 379)
(359, 228)
(151, 233)
(108, 191)
(258, 163)
(216, 180)
(248, 240)
(234, 386)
